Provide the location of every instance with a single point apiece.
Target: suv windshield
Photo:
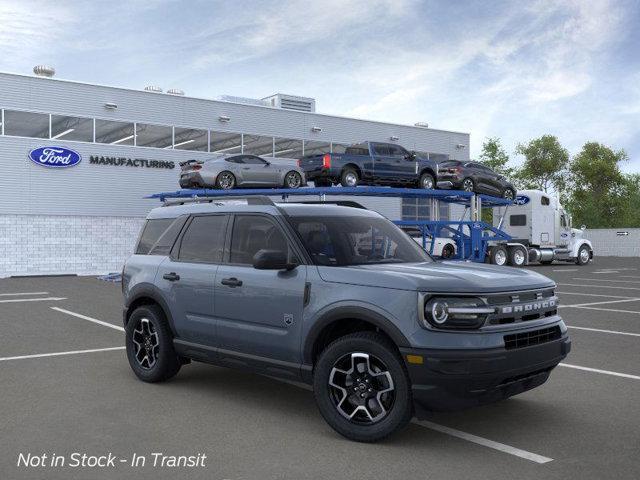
(342, 241)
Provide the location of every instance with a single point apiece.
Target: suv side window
(168, 238)
(203, 241)
(252, 233)
(152, 231)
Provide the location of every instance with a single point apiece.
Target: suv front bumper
(456, 379)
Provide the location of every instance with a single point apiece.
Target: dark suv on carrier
(340, 298)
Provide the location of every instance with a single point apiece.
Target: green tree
(545, 164)
(495, 157)
(599, 192)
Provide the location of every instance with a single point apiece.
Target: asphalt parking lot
(66, 387)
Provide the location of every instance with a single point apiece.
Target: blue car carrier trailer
(475, 240)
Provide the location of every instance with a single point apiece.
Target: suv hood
(450, 276)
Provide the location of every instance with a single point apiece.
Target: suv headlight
(455, 312)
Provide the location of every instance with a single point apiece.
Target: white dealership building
(85, 218)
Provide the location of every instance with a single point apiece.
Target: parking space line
(597, 370)
(592, 294)
(597, 303)
(43, 299)
(22, 293)
(605, 280)
(565, 270)
(599, 330)
(89, 319)
(609, 310)
(469, 437)
(534, 457)
(597, 286)
(58, 354)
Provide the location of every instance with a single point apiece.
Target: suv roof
(239, 206)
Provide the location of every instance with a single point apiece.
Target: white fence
(614, 242)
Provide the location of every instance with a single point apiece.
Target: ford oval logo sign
(521, 200)
(55, 157)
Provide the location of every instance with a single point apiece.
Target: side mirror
(583, 227)
(410, 156)
(272, 260)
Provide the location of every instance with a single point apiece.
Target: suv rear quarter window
(151, 232)
(203, 241)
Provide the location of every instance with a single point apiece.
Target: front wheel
(292, 180)
(508, 194)
(584, 255)
(362, 388)
(427, 182)
(149, 345)
(448, 251)
(468, 185)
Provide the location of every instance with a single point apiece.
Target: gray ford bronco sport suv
(339, 298)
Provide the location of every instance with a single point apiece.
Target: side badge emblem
(288, 319)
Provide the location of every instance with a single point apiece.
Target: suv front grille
(535, 337)
(522, 306)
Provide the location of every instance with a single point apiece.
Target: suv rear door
(259, 312)
(187, 277)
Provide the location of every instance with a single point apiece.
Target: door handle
(231, 282)
(246, 168)
(172, 277)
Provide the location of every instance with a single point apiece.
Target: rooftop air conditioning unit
(175, 91)
(153, 88)
(44, 71)
(292, 102)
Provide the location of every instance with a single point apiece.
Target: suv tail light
(299, 162)
(326, 160)
(196, 167)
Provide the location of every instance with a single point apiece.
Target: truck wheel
(149, 345)
(584, 255)
(517, 256)
(427, 181)
(349, 178)
(448, 251)
(499, 255)
(362, 388)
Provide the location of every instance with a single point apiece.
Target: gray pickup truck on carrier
(371, 163)
(337, 297)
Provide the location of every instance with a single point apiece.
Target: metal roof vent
(175, 91)
(422, 124)
(44, 71)
(153, 88)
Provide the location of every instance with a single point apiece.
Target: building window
(224, 142)
(114, 133)
(258, 145)
(26, 124)
(316, 148)
(190, 139)
(157, 136)
(72, 128)
(287, 148)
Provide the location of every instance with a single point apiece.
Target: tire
(160, 362)
(349, 178)
(517, 257)
(499, 255)
(427, 182)
(388, 387)
(468, 185)
(584, 255)
(225, 180)
(508, 194)
(448, 251)
(292, 180)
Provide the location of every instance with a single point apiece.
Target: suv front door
(259, 312)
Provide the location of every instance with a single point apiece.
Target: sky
(514, 70)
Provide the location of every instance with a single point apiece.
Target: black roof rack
(340, 203)
(250, 199)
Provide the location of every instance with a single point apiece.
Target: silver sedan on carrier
(240, 170)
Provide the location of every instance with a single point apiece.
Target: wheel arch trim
(147, 290)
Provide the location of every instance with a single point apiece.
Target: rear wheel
(448, 251)
(362, 388)
(508, 194)
(468, 185)
(517, 256)
(225, 181)
(499, 255)
(292, 179)
(349, 178)
(149, 345)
